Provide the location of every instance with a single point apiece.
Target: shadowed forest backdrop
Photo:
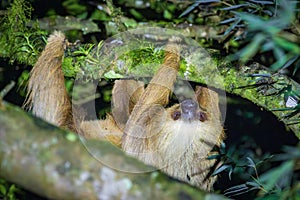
(256, 45)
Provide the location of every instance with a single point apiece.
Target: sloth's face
(189, 111)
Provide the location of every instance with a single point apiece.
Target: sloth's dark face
(189, 111)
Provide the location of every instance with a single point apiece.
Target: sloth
(175, 139)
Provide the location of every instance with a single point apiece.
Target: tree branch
(44, 160)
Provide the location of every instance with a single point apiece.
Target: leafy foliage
(274, 84)
(19, 42)
(8, 191)
(261, 27)
(277, 183)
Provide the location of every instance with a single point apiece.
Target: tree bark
(53, 163)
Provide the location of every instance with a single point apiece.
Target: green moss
(70, 69)
(18, 42)
(143, 61)
(75, 62)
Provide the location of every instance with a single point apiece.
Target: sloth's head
(189, 111)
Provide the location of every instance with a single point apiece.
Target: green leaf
(136, 14)
(223, 148)
(167, 14)
(251, 162)
(241, 189)
(254, 22)
(228, 30)
(253, 184)
(215, 156)
(226, 21)
(189, 9)
(235, 6)
(281, 59)
(112, 75)
(220, 169)
(237, 190)
(290, 62)
(287, 45)
(297, 66)
(272, 177)
(197, 3)
(250, 50)
(2, 190)
(263, 2)
(264, 160)
(230, 173)
(12, 190)
(129, 22)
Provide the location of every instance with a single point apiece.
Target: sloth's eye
(202, 116)
(176, 115)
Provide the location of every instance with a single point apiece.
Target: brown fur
(177, 147)
(47, 96)
(102, 129)
(125, 95)
(139, 122)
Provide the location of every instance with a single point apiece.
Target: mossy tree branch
(42, 159)
(264, 88)
(258, 84)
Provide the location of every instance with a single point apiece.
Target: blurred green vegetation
(256, 166)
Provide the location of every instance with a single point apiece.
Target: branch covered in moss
(54, 164)
(274, 92)
(268, 90)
